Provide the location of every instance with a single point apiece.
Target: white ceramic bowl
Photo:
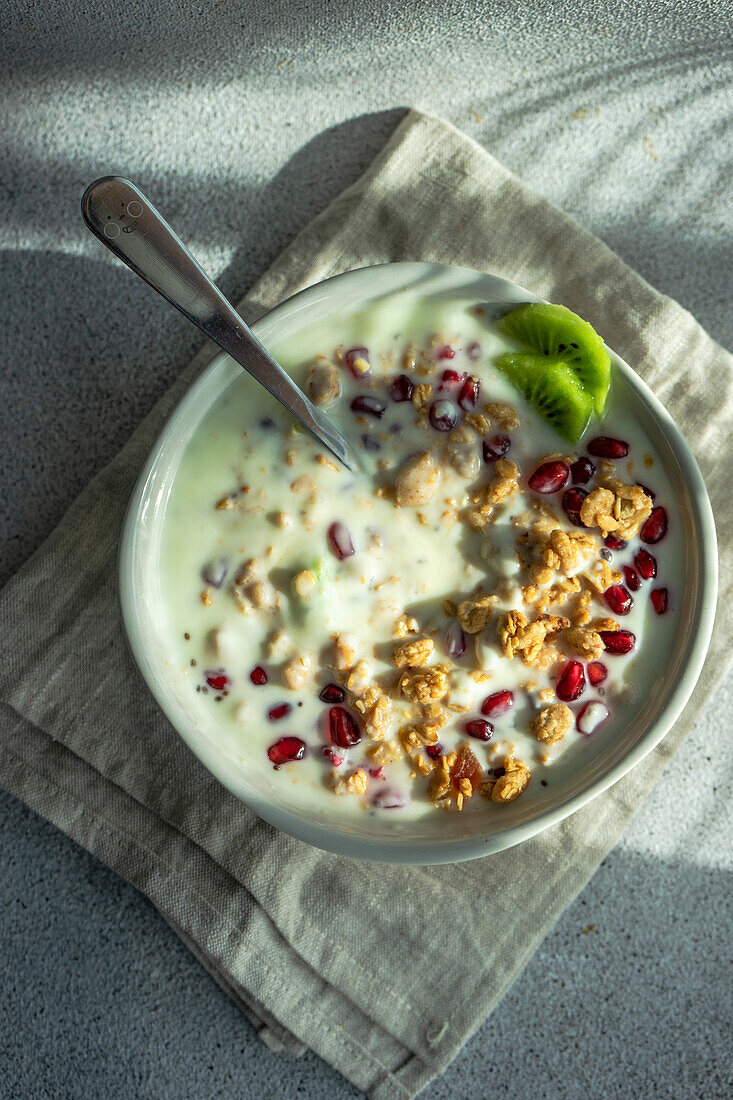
(437, 837)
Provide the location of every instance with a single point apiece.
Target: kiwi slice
(553, 389)
(559, 336)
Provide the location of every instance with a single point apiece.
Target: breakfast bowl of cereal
(439, 655)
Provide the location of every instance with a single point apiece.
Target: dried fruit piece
(660, 600)
(340, 540)
(286, 750)
(590, 717)
(646, 564)
(549, 477)
(618, 642)
(655, 527)
(342, 728)
(479, 729)
(618, 599)
(498, 703)
(466, 766)
(571, 682)
(572, 501)
(597, 672)
(605, 446)
(258, 676)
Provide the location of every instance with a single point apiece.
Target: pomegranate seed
(332, 756)
(473, 350)
(572, 501)
(286, 750)
(613, 542)
(597, 672)
(278, 712)
(618, 599)
(479, 729)
(450, 378)
(571, 682)
(388, 800)
(377, 773)
(469, 392)
(215, 572)
(219, 681)
(605, 446)
(617, 642)
(369, 443)
(258, 676)
(357, 360)
(401, 389)
(496, 447)
(340, 539)
(454, 640)
(443, 415)
(655, 528)
(590, 717)
(446, 352)
(646, 564)
(372, 406)
(342, 728)
(497, 704)
(549, 477)
(434, 751)
(649, 492)
(632, 578)
(332, 693)
(660, 600)
(581, 471)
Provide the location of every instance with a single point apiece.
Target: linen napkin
(345, 957)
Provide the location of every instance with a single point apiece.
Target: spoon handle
(130, 226)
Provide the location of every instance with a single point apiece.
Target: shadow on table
(100, 997)
(87, 349)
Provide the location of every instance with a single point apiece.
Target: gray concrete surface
(243, 120)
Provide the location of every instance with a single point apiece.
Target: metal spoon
(130, 226)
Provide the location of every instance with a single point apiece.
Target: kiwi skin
(561, 336)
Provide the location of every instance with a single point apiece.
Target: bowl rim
(404, 850)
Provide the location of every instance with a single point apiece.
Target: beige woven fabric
(285, 928)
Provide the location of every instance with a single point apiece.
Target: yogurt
(354, 635)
